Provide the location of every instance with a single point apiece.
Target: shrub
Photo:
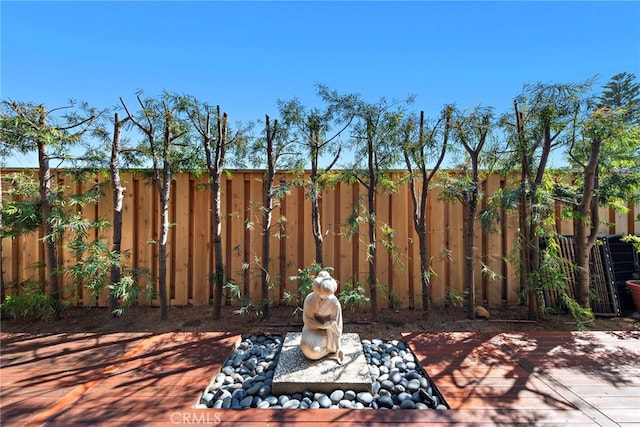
(28, 301)
(352, 295)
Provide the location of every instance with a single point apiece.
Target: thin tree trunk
(216, 233)
(316, 225)
(215, 170)
(118, 196)
(469, 214)
(164, 188)
(317, 230)
(50, 244)
(586, 230)
(425, 270)
(267, 215)
(164, 234)
(529, 246)
(420, 205)
(371, 221)
(468, 276)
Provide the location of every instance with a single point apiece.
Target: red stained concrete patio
(537, 378)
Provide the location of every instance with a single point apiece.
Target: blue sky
(245, 56)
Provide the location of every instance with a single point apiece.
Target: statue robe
(322, 326)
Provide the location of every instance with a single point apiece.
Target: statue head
(324, 285)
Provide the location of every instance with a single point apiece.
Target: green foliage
(91, 260)
(128, 290)
(94, 263)
(502, 199)
(394, 300)
(623, 91)
(459, 187)
(356, 219)
(28, 300)
(25, 124)
(392, 296)
(634, 240)
(453, 299)
(21, 211)
(552, 276)
(352, 295)
(93, 266)
(247, 305)
(387, 240)
(582, 316)
(305, 280)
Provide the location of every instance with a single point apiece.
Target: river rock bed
(245, 380)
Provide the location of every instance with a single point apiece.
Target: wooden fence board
(479, 249)
(341, 260)
(633, 219)
(9, 264)
(361, 264)
(276, 237)
(200, 244)
(145, 233)
(622, 222)
(436, 245)
(65, 256)
(401, 281)
(105, 212)
(413, 262)
(235, 221)
(179, 247)
(128, 208)
(454, 243)
(383, 267)
(347, 264)
(327, 220)
(255, 238)
(292, 242)
(492, 254)
(510, 237)
(285, 266)
(31, 254)
(306, 251)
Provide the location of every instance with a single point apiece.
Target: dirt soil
(390, 324)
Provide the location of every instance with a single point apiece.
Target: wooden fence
(191, 252)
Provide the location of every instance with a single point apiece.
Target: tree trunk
(316, 225)
(529, 246)
(118, 196)
(371, 220)
(468, 276)
(586, 230)
(469, 226)
(216, 233)
(319, 241)
(267, 214)
(164, 234)
(266, 253)
(420, 207)
(50, 244)
(425, 270)
(582, 262)
(215, 171)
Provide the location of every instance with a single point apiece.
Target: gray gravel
(246, 377)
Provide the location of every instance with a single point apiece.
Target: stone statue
(322, 315)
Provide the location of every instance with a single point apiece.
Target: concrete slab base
(295, 373)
